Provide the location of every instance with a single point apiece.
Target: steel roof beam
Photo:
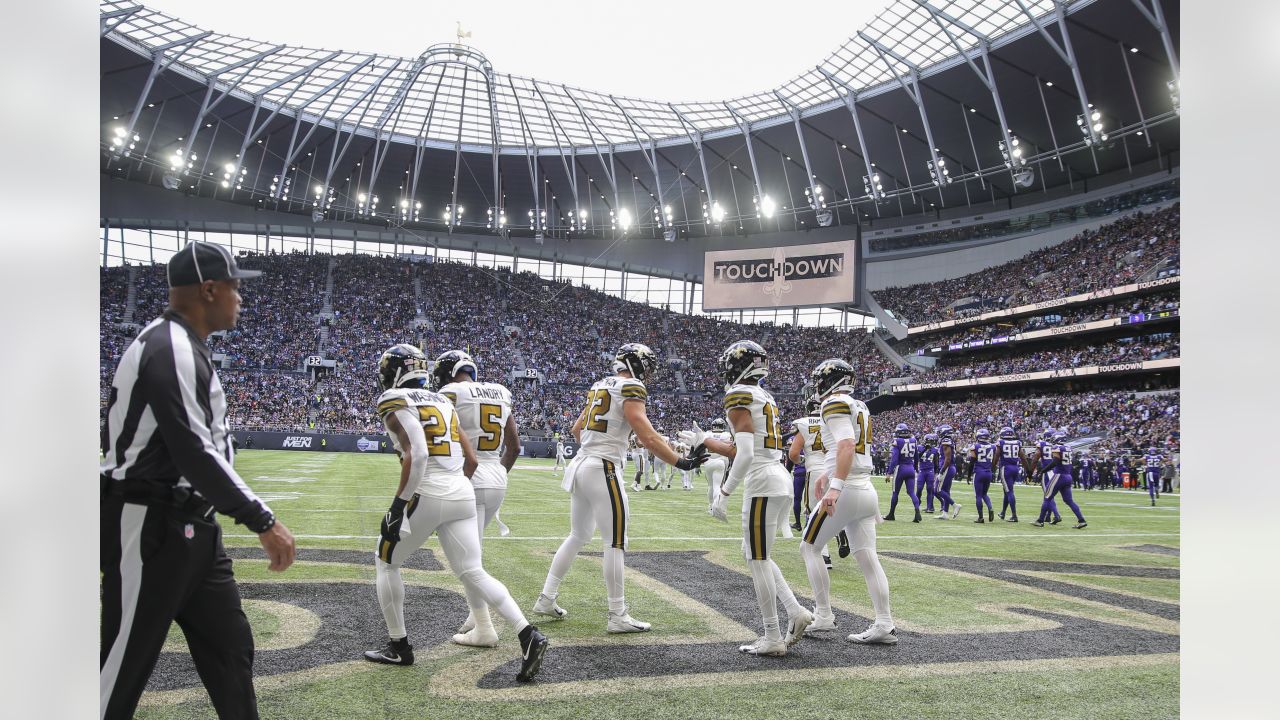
(650, 157)
(207, 107)
(695, 136)
(1155, 16)
(158, 64)
(529, 162)
(794, 112)
(850, 102)
(1066, 53)
(337, 155)
(918, 98)
(121, 13)
(557, 131)
(745, 127)
(988, 77)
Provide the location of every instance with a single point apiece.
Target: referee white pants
(856, 512)
(455, 522)
(597, 499)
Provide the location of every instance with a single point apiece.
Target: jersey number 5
(434, 427)
(598, 402)
(490, 428)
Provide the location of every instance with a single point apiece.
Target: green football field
(994, 621)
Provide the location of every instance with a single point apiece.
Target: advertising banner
(796, 275)
(1043, 375)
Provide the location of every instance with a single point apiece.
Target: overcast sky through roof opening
(667, 50)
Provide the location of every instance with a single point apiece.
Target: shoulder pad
(738, 396)
(838, 404)
(450, 391)
(632, 389)
(390, 401)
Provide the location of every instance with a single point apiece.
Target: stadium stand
(1112, 255)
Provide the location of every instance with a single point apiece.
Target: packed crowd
(507, 321)
(1032, 222)
(1112, 255)
(1128, 421)
(1078, 354)
(1147, 305)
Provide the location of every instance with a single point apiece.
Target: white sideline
(738, 538)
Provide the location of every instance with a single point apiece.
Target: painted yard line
(738, 538)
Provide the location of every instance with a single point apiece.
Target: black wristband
(263, 525)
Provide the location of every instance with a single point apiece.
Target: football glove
(393, 520)
(692, 462)
(693, 438)
(718, 510)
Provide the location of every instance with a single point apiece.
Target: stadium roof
(915, 69)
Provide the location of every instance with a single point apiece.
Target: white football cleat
(875, 635)
(467, 624)
(547, 607)
(955, 510)
(765, 646)
(624, 623)
(942, 516)
(796, 627)
(821, 623)
(478, 637)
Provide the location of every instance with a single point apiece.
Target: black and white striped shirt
(167, 421)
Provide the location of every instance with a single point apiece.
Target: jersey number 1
(772, 431)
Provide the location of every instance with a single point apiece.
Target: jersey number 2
(438, 435)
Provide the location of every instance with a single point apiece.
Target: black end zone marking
(1154, 549)
(421, 560)
(1006, 570)
(731, 593)
(350, 623)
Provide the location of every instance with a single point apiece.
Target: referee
(167, 469)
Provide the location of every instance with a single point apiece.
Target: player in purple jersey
(1008, 461)
(902, 468)
(946, 473)
(1088, 471)
(982, 459)
(1059, 471)
(927, 458)
(1151, 473)
(1039, 464)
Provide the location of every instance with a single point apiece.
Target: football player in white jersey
(757, 462)
(560, 462)
(486, 420)
(638, 454)
(807, 444)
(434, 496)
(848, 500)
(686, 476)
(717, 465)
(615, 408)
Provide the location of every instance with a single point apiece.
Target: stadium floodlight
(624, 219)
(872, 187)
(765, 206)
(453, 215)
(1093, 127)
(940, 174)
(717, 213)
(1175, 96)
(815, 198)
(1013, 154)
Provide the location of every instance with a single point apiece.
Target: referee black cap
(201, 261)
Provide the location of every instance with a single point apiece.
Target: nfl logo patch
(189, 531)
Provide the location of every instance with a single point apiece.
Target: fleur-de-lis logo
(778, 285)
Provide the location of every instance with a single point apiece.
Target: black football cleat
(396, 652)
(842, 544)
(1056, 521)
(1080, 525)
(991, 515)
(981, 520)
(917, 517)
(888, 518)
(1012, 519)
(533, 645)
